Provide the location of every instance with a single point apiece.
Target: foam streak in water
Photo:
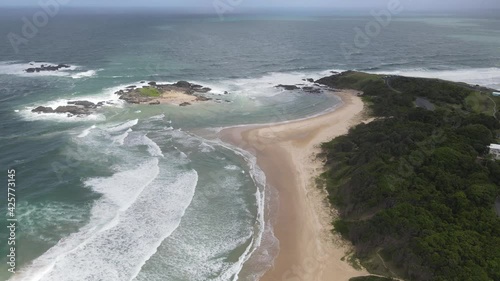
(120, 192)
(118, 253)
(86, 132)
(259, 179)
(123, 126)
(18, 69)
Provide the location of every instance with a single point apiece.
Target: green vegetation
(351, 259)
(150, 92)
(479, 102)
(416, 188)
(357, 80)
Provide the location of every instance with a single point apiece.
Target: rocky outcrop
(194, 87)
(185, 84)
(43, 109)
(308, 89)
(72, 110)
(134, 96)
(331, 81)
(312, 90)
(44, 67)
(78, 108)
(202, 98)
(288, 87)
(150, 94)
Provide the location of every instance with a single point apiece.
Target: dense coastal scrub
(416, 187)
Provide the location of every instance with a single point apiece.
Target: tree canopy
(417, 185)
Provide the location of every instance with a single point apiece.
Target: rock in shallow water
(182, 84)
(43, 109)
(73, 110)
(78, 108)
(44, 67)
(312, 90)
(288, 87)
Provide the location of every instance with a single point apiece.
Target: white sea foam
(205, 147)
(86, 132)
(122, 126)
(119, 193)
(489, 77)
(264, 86)
(138, 210)
(123, 188)
(84, 74)
(259, 179)
(139, 138)
(107, 96)
(136, 139)
(232, 168)
(157, 117)
(120, 139)
(250, 87)
(153, 147)
(185, 138)
(18, 69)
(26, 114)
(198, 257)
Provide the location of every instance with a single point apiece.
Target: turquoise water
(137, 192)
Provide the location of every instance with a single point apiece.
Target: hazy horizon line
(267, 8)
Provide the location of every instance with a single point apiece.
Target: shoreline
(286, 153)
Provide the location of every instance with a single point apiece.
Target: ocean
(143, 192)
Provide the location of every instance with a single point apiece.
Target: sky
(429, 5)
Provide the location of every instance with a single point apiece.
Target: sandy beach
(286, 153)
(176, 97)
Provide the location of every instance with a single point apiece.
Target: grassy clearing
(150, 92)
(479, 102)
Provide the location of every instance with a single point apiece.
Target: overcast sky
(242, 4)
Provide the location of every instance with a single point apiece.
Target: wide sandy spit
(286, 152)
